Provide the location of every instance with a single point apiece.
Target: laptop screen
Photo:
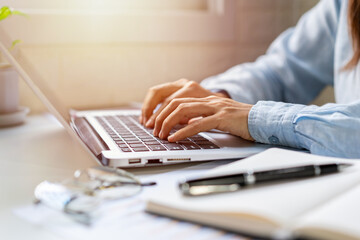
(35, 81)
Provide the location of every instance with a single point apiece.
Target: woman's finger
(181, 93)
(167, 110)
(151, 121)
(184, 110)
(154, 96)
(192, 120)
(202, 125)
(161, 114)
(157, 95)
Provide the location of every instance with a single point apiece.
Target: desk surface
(39, 150)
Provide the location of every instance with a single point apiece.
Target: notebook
(115, 138)
(325, 207)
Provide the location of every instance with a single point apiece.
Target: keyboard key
(144, 149)
(184, 141)
(125, 149)
(197, 138)
(137, 130)
(153, 142)
(149, 140)
(133, 138)
(209, 146)
(122, 145)
(190, 146)
(157, 148)
(136, 145)
(127, 135)
(144, 135)
(133, 142)
(203, 142)
(173, 146)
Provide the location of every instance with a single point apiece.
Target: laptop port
(134, 161)
(178, 159)
(154, 161)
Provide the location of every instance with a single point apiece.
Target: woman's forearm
(332, 129)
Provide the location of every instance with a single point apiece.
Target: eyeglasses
(80, 196)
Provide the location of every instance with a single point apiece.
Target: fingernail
(149, 123)
(155, 133)
(171, 138)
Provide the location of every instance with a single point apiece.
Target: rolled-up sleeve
(331, 130)
(297, 66)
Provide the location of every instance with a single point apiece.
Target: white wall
(99, 75)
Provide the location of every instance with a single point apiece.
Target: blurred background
(106, 53)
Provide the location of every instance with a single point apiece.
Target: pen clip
(208, 189)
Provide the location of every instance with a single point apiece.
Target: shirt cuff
(273, 123)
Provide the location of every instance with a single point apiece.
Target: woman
(264, 101)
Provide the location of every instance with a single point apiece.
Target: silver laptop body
(115, 138)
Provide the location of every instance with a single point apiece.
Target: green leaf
(16, 12)
(14, 43)
(5, 12)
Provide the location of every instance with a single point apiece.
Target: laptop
(115, 138)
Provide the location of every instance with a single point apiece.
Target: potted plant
(10, 112)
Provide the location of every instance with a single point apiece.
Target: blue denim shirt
(297, 66)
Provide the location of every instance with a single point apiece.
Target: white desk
(39, 150)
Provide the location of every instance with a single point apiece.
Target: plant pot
(10, 112)
(9, 91)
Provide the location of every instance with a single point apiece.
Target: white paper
(341, 214)
(281, 202)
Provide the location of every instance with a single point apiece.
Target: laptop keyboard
(131, 136)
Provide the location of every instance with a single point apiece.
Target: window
(104, 21)
(111, 4)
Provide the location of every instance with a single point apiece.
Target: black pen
(233, 182)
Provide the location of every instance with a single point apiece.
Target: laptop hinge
(89, 136)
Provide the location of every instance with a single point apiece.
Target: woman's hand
(166, 92)
(215, 113)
